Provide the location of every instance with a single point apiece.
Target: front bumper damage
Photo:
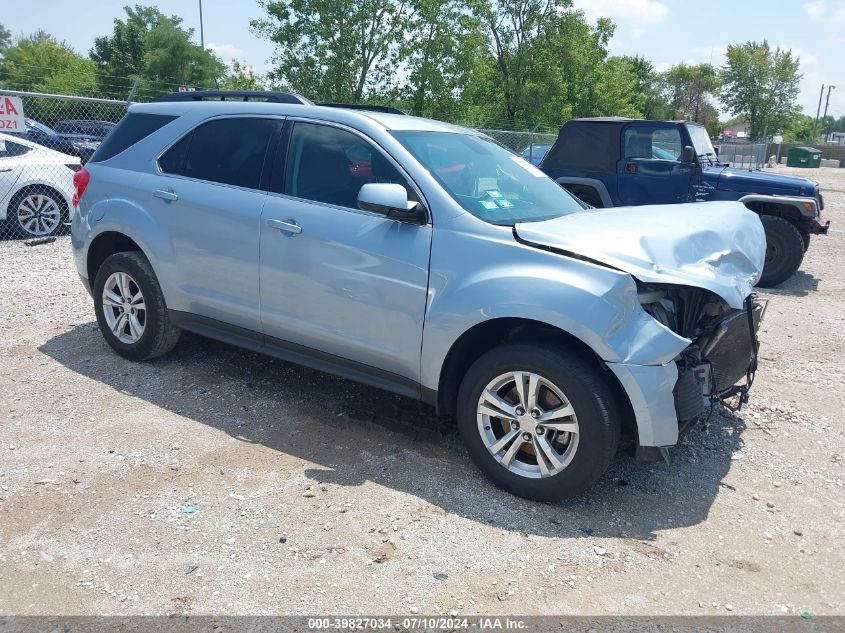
(718, 367)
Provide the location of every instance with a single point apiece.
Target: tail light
(73, 166)
(80, 181)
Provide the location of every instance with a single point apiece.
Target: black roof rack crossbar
(235, 95)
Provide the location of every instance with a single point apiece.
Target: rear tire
(784, 251)
(130, 308)
(580, 455)
(36, 211)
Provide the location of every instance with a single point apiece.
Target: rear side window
(8, 149)
(132, 128)
(229, 151)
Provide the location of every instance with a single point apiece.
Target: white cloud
(632, 17)
(226, 51)
(824, 11)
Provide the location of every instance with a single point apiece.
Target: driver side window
(328, 164)
(653, 143)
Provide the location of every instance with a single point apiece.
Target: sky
(665, 31)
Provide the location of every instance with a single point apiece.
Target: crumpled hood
(718, 246)
(757, 181)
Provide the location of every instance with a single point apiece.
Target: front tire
(784, 251)
(540, 422)
(130, 308)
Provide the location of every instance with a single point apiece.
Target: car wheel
(540, 422)
(784, 251)
(36, 212)
(130, 308)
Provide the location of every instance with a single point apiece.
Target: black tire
(13, 218)
(588, 392)
(159, 334)
(784, 251)
(805, 235)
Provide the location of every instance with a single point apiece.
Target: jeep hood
(756, 181)
(718, 246)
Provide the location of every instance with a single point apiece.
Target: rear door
(208, 196)
(650, 170)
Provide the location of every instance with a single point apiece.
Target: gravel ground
(218, 481)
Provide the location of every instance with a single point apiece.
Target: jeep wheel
(784, 251)
(130, 308)
(539, 422)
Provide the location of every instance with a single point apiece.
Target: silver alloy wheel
(528, 424)
(39, 215)
(124, 308)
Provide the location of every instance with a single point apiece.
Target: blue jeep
(611, 162)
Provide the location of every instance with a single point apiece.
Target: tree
(5, 39)
(552, 65)
(241, 76)
(440, 50)
(40, 63)
(687, 89)
(334, 50)
(762, 85)
(648, 88)
(153, 48)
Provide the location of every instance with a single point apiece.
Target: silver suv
(427, 260)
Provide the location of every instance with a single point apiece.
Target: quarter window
(327, 164)
(229, 151)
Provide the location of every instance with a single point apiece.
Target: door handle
(166, 194)
(285, 226)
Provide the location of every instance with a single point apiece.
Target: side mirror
(688, 155)
(391, 200)
(716, 149)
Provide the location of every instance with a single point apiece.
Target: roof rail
(364, 106)
(235, 95)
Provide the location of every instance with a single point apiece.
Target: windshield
(488, 180)
(701, 141)
(35, 125)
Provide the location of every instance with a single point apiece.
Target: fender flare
(797, 202)
(596, 184)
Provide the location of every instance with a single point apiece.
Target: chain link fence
(39, 159)
(749, 155)
(532, 146)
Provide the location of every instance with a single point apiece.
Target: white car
(36, 188)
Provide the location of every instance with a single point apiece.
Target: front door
(651, 171)
(334, 278)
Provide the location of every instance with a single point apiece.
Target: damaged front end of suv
(721, 360)
(694, 274)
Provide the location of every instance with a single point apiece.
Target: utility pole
(819, 109)
(202, 37)
(826, 104)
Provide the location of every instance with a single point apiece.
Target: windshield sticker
(519, 160)
(487, 184)
(489, 204)
(505, 204)
(494, 193)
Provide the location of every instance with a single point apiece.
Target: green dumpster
(804, 157)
